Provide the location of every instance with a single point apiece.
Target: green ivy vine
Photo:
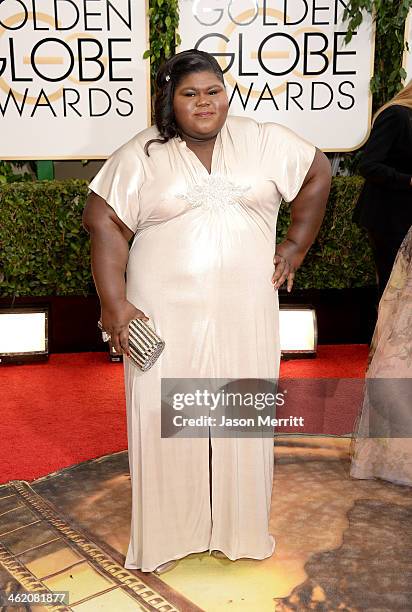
(164, 20)
(389, 17)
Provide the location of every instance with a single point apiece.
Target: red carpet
(332, 361)
(72, 409)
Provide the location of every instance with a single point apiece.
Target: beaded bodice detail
(214, 192)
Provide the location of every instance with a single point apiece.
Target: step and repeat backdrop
(286, 61)
(74, 85)
(407, 55)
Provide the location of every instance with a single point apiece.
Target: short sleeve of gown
(118, 182)
(285, 158)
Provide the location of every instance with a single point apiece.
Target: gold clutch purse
(145, 346)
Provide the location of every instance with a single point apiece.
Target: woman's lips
(205, 114)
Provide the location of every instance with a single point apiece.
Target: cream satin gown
(200, 267)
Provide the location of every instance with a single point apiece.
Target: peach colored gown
(382, 445)
(200, 267)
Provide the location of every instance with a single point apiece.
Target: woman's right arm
(109, 238)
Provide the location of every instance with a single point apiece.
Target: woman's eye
(189, 93)
(212, 93)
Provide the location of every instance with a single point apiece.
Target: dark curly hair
(168, 78)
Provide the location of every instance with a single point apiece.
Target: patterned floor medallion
(44, 552)
(341, 544)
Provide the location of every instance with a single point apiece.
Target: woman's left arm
(307, 212)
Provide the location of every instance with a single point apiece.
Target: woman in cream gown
(200, 267)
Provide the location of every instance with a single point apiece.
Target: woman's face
(200, 105)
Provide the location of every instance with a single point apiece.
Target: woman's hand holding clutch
(115, 321)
